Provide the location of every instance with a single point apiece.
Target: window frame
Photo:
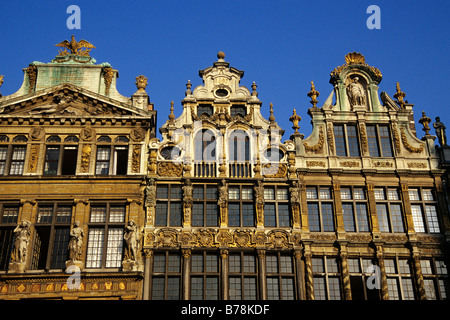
(355, 213)
(242, 203)
(206, 203)
(114, 147)
(321, 202)
(342, 141)
(7, 233)
(424, 204)
(171, 204)
(276, 202)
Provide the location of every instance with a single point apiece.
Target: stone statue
(356, 93)
(22, 237)
(259, 197)
(150, 193)
(440, 131)
(222, 202)
(76, 241)
(132, 241)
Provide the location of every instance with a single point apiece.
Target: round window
(170, 153)
(274, 154)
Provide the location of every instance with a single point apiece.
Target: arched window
(205, 146)
(112, 158)
(61, 158)
(239, 146)
(205, 154)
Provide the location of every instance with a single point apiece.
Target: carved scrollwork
(409, 147)
(170, 169)
(319, 145)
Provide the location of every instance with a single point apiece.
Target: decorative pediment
(67, 101)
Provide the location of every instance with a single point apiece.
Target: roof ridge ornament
(399, 95)
(356, 58)
(81, 48)
(313, 94)
(295, 118)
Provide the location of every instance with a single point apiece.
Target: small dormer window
(205, 109)
(238, 110)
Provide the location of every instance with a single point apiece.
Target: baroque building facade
(94, 205)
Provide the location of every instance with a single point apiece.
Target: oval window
(170, 153)
(221, 92)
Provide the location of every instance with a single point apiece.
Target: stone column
(383, 279)
(309, 283)
(262, 274)
(224, 261)
(147, 274)
(186, 274)
(339, 218)
(300, 271)
(418, 275)
(407, 209)
(345, 273)
(372, 209)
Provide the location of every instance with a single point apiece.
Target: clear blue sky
(282, 45)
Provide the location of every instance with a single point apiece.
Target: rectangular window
(353, 144)
(17, 160)
(242, 276)
(241, 207)
(354, 212)
(339, 137)
(326, 278)
(50, 247)
(166, 282)
(424, 210)
(205, 276)
(320, 209)
(276, 208)
(389, 210)
(103, 157)
(51, 161)
(3, 156)
(280, 282)
(205, 211)
(9, 213)
(105, 237)
(169, 208)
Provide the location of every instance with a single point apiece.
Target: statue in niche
(21, 238)
(131, 240)
(76, 241)
(439, 127)
(356, 93)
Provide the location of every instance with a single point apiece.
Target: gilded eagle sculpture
(81, 47)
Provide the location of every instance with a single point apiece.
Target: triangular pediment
(68, 100)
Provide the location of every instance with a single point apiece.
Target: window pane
(64, 214)
(325, 193)
(173, 288)
(393, 289)
(197, 263)
(413, 194)
(372, 141)
(162, 192)
(234, 291)
(234, 193)
(430, 289)
(397, 218)
(269, 215)
(248, 219)
(197, 288)
(353, 266)
(363, 220)
(282, 194)
(408, 289)
(349, 220)
(417, 216)
(114, 248)
(379, 194)
(319, 288)
(393, 194)
(385, 140)
(45, 214)
(311, 193)
(346, 194)
(17, 160)
(59, 252)
(250, 288)
(212, 215)
(212, 263)
(317, 265)
(269, 193)
(426, 266)
(247, 193)
(283, 215)
(340, 140)
(286, 264)
(159, 263)
(98, 213)
(327, 217)
(10, 214)
(95, 248)
(271, 263)
(287, 285)
(313, 217)
(174, 264)
(441, 267)
(427, 195)
(353, 144)
(383, 220)
(249, 263)
(175, 214)
(334, 288)
(175, 192)
(117, 214)
(273, 290)
(197, 215)
(358, 194)
(161, 214)
(404, 267)
(51, 160)
(234, 263)
(234, 219)
(432, 219)
(211, 192)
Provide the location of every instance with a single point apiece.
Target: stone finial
(399, 95)
(295, 118)
(425, 121)
(254, 92)
(188, 88)
(171, 115)
(221, 55)
(272, 117)
(141, 83)
(313, 94)
(1, 80)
